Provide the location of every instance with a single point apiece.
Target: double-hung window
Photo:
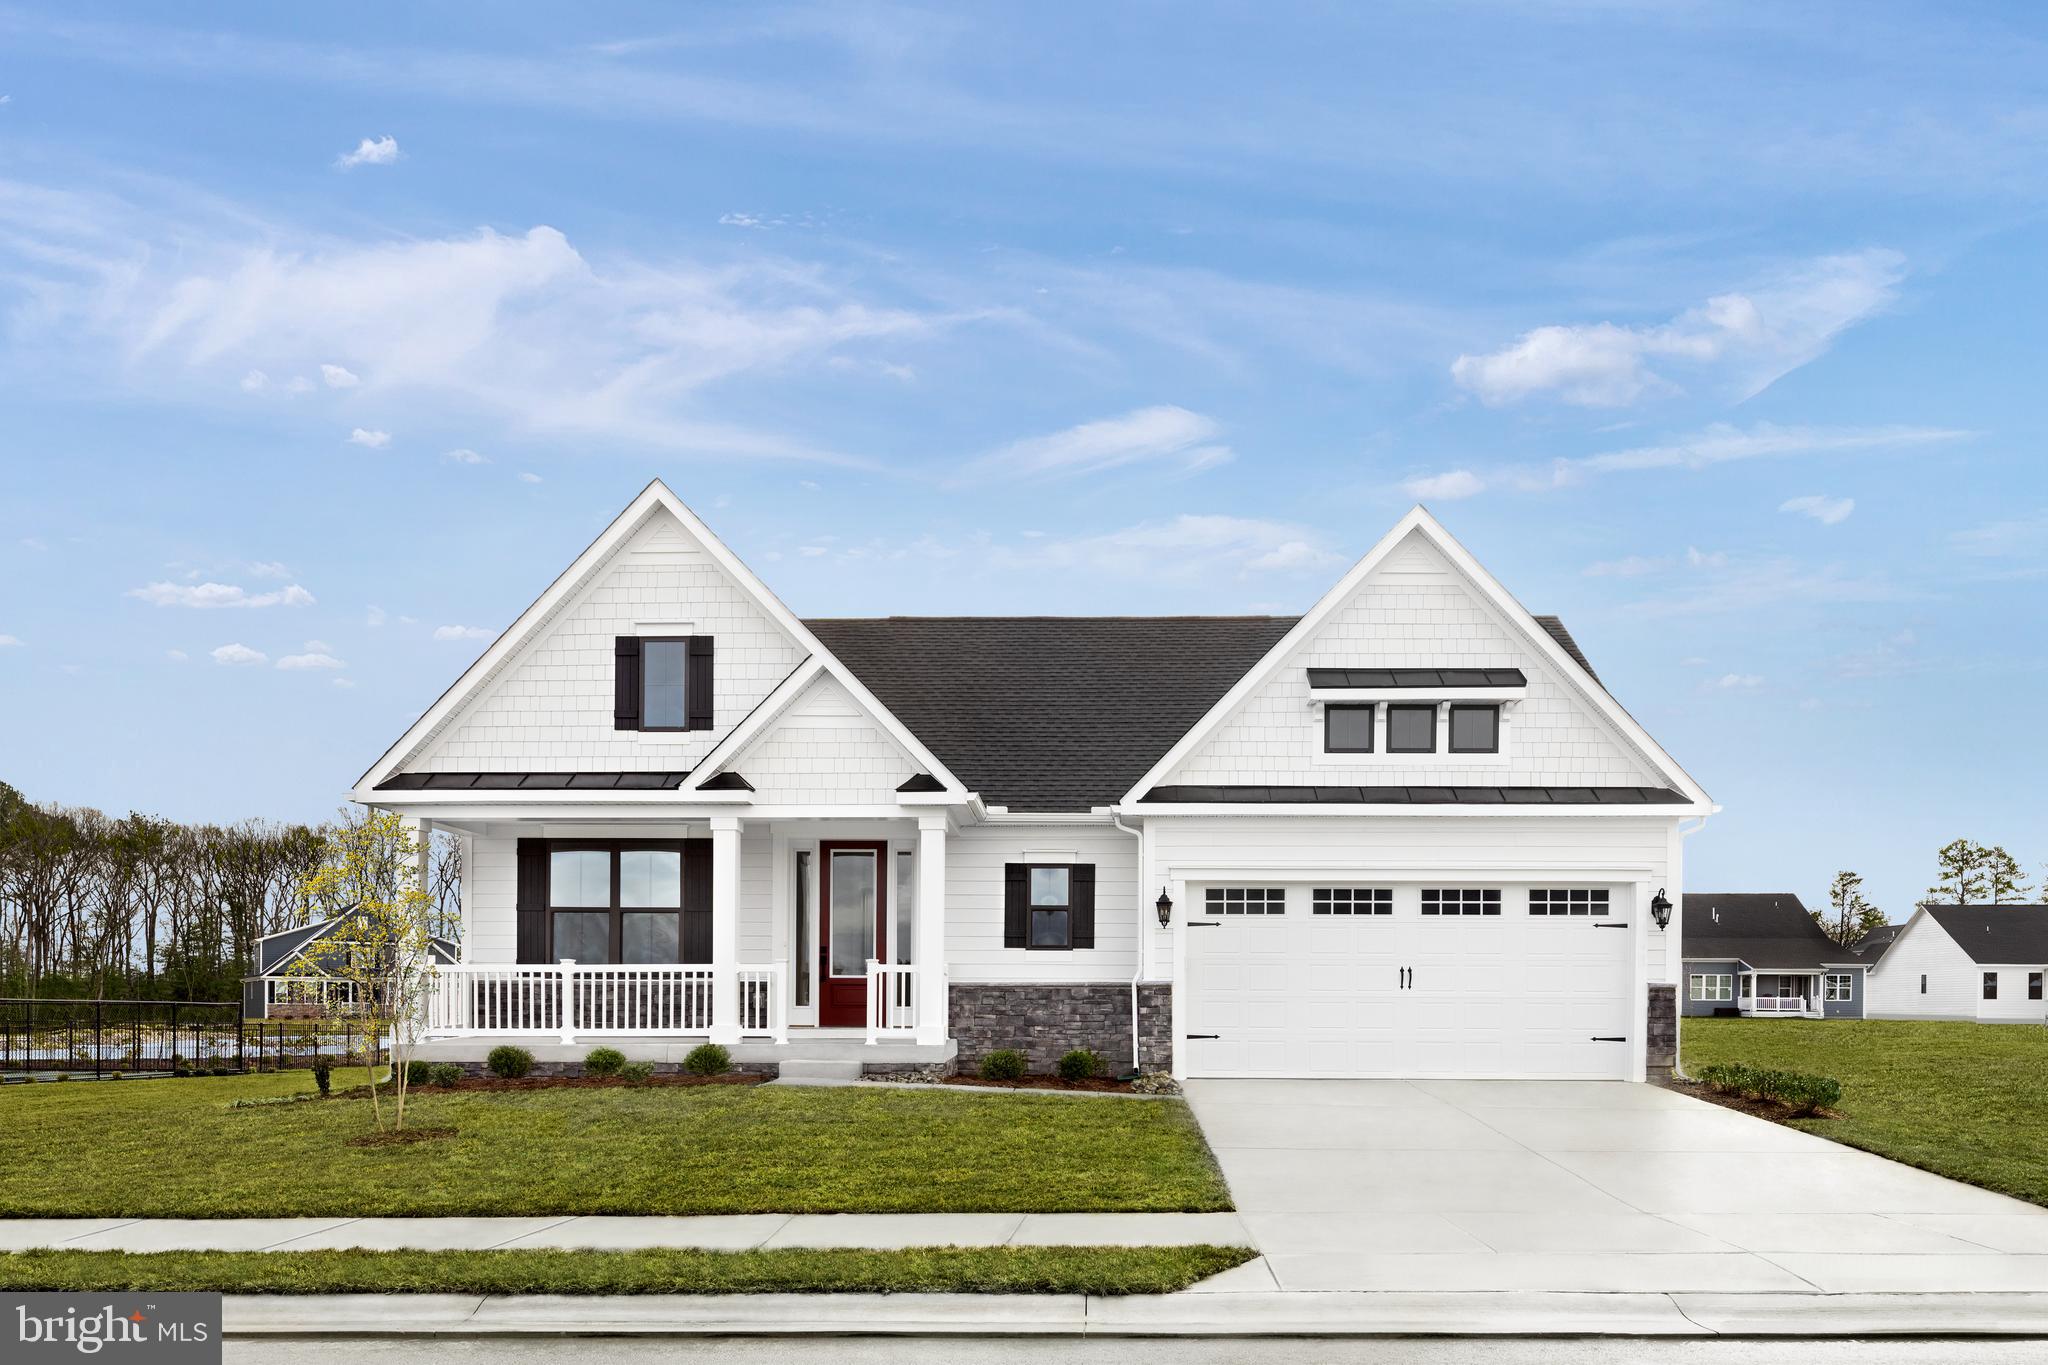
(616, 903)
(2033, 985)
(664, 684)
(1839, 986)
(1706, 986)
(1052, 908)
(1991, 985)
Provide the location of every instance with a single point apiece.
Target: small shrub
(416, 1072)
(637, 1073)
(115, 1076)
(708, 1059)
(1078, 1065)
(603, 1061)
(323, 1075)
(181, 1071)
(63, 1075)
(1799, 1092)
(223, 1071)
(509, 1063)
(1004, 1064)
(443, 1074)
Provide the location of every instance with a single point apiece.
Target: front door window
(853, 911)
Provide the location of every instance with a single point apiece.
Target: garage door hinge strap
(1610, 926)
(1191, 1036)
(1598, 1039)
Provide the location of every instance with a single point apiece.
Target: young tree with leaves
(1849, 917)
(383, 955)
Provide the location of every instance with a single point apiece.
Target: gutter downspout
(1143, 940)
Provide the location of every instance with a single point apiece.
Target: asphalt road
(1104, 1350)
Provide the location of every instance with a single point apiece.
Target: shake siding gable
(825, 750)
(554, 706)
(1417, 610)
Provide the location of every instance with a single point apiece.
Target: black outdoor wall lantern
(1164, 905)
(1660, 909)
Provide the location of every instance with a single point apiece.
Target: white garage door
(1357, 979)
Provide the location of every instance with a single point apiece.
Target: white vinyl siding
(975, 858)
(1954, 981)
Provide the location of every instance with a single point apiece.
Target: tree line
(94, 906)
(1967, 873)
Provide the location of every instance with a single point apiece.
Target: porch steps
(803, 1071)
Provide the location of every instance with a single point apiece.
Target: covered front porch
(1779, 994)
(778, 936)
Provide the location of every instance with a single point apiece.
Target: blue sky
(330, 336)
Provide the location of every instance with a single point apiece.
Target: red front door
(853, 926)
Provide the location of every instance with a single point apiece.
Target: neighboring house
(1761, 953)
(1982, 962)
(1406, 834)
(1873, 944)
(275, 991)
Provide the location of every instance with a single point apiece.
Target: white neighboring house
(1406, 834)
(1981, 962)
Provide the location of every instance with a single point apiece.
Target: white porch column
(725, 928)
(933, 1024)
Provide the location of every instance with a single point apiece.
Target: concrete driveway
(1586, 1186)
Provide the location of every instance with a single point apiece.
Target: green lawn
(170, 1148)
(1969, 1101)
(988, 1270)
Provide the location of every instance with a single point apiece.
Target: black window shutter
(1016, 905)
(1081, 894)
(533, 900)
(626, 682)
(696, 945)
(697, 685)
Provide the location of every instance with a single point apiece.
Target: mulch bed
(362, 1092)
(1758, 1109)
(1100, 1083)
(404, 1137)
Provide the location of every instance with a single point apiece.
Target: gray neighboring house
(1760, 953)
(1872, 945)
(272, 992)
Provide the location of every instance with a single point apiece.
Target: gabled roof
(1873, 944)
(1996, 934)
(1549, 642)
(1769, 930)
(1049, 713)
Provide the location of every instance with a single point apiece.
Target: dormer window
(661, 682)
(1411, 729)
(1376, 717)
(1475, 729)
(1348, 729)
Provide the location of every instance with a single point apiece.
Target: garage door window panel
(1448, 901)
(1576, 900)
(1352, 900)
(1245, 900)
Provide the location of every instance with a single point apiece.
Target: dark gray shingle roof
(1872, 945)
(1421, 796)
(1996, 933)
(1770, 930)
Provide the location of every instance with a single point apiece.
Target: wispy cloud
(210, 595)
(239, 655)
(377, 151)
(461, 633)
(2008, 538)
(466, 456)
(375, 440)
(527, 476)
(1718, 444)
(1733, 682)
(311, 659)
(1186, 546)
(1773, 584)
(1446, 487)
(1825, 510)
(1165, 435)
(339, 377)
(10, 642)
(1741, 343)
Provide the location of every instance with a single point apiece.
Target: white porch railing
(571, 998)
(1775, 1004)
(284, 997)
(892, 999)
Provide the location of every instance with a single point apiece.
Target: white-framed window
(1352, 900)
(1461, 900)
(1245, 900)
(1575, 900)
(1839, 986)
(1712, 986)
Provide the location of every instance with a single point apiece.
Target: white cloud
(1696, 558)
(461, 633)
(1827, 511)
(1188, 546)
(10, 642)
(335, 377)
(1165, 434)
(267, 568)
(373, 616)
(1770, 583)
(344, 682)
(255, 382)
(375, 440)
(527, 477)
(209, 595)
(36, 543)
(1734, 682)
(310, 659)
(1632, 566)
(466, 456)
(176, 656)
(2014, 538)
(1738, 342)
(317, 647)
(1445, 487)
(380, 151)
(238, 654)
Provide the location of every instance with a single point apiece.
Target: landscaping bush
(637, 1073)
(1078, 1065)
(323, 1075)
(708, 1059)
(416, 1072)
(1801, 1093)
(443, 1074)
(1004, 1064)
(509, 1063)
(603, 1061)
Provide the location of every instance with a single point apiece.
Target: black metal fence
(132, 1037)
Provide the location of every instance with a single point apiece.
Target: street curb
(1336, 1314)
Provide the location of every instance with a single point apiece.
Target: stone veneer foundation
(1043, 1021)
(1662, 1011)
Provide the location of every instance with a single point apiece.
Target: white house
(1981, 962)
(1406, 834)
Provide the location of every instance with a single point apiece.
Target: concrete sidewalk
(739, 1232)
(1190, 1314)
